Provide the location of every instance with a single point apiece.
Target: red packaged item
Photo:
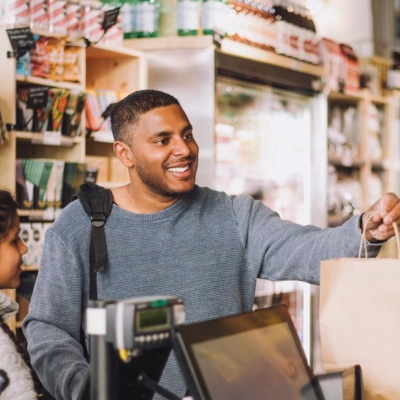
(91, 21)
(57, 13)
(39, 18)
(333, 62)
(16, 12)
(73, 18)
(351, 68)
(40, 59)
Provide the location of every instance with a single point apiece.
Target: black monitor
(255, 355)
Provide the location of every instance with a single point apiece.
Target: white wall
(348, 21)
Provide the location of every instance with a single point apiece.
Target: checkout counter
(255, 355)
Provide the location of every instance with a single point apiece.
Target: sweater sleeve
(282, 250)
(52, 327)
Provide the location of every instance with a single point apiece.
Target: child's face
(11, 250)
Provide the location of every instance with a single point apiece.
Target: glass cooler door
(263, 148)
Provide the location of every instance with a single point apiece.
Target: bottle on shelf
(129, 18)
(211, 16)
(147, 15)
(189, 17)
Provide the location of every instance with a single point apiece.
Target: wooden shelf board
(169, 42)
(35, 80)
(99, 51)
(39, 138)
(245, 51)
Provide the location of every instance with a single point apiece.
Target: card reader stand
(109, 377)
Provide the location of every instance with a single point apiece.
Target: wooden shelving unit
(101, 67)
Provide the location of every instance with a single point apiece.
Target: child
(20, 381)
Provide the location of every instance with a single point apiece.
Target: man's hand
(386, 211)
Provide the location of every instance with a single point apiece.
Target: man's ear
(124, 153)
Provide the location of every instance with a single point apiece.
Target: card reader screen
(152, 319)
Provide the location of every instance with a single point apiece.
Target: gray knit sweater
(208, 248)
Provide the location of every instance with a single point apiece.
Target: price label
(52, 138)
(37, 97)
(21, 39)
(110, 18)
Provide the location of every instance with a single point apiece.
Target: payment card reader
(130, 342)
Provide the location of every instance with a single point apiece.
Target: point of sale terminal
(254, 355)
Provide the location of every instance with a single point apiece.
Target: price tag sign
(37, 97)
(21, 40)
(52, 138)
(110, 18)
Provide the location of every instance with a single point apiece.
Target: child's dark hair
(8, 212)
(8, 216)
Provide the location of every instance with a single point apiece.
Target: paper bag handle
(364, 238)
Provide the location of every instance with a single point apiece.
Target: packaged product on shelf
(26, 236)
(40, 62)
(23, 64)
(351, 68)
(37, 172)
(55, 52)
(73, 18)
(188, 17)
(94, 119)
(24, 193)
(33, 108)
(147, 15)
(60, 100)
(106, 98)
(39, 17)
(57, 16)
(24, 113)
(14, 13)
(74, 176)
(54, 184)
(71, 71)
(91, 20)
(333, 63)
(71, 123)
(37, 242)
(214, 17)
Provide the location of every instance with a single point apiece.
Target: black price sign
(37, 97)
(110, 18)
(21, 40)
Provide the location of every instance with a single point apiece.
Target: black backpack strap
(97, 203)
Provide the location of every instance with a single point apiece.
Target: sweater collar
(8, 307)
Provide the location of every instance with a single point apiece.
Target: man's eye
(189, 136)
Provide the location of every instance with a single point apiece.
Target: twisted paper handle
(364, 238)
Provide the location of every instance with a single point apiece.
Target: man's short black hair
(128, 111)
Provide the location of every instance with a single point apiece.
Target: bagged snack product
(55, 51)
(71, 71)
(39, 58)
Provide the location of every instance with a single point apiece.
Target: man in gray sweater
(167, 236)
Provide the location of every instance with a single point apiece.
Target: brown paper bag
(359, 320)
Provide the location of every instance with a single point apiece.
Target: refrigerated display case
(263, 147)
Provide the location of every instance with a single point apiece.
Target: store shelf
(170, 42)
(34, 80)
(253, 53)
(49, 139)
